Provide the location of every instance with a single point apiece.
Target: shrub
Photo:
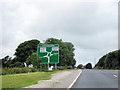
(17, 70)
(25, 70)
(34, 70)
(69, 67)
(61, 68)
(12, 65)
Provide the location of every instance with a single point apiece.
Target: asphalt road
(97, 79)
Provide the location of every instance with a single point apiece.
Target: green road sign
(48, 53)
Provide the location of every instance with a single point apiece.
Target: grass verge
(26, 79)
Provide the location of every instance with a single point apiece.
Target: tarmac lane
(97, 79)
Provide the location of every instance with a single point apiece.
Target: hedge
(17, 70)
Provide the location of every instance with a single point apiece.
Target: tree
(109, 61)
(6, 61)
(53, 41)
(25, 49)
(88, 66)
(80, 66)
(32, 59)
(73, 62)
(66, 52)
(26, 53)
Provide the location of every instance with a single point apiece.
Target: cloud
(90, 26)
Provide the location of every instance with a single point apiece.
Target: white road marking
(115, 75)
(74, 80)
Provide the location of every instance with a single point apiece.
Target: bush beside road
(17, 70)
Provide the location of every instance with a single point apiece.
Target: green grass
(0, 83)
(26, 79)
(22, 80)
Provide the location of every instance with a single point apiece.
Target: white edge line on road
(74, 80)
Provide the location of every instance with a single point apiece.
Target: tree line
(109, 61)
(87, 66)
(26, 53)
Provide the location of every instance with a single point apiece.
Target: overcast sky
(91, 26)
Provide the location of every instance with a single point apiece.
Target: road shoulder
(63, 79)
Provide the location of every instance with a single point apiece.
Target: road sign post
(48, 53)
(55, 66)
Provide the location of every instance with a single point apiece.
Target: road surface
(97, 79)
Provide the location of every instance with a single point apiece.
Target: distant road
(97, 79)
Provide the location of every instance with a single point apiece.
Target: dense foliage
(88, 66)
(66, 52)
(79, 66)
(17, 70)
(6, 61)
(25, 49)
(26, 52)
(109, 61)
(32, 59)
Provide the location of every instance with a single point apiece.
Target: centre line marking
(115, 75)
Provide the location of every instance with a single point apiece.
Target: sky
(91, 25)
